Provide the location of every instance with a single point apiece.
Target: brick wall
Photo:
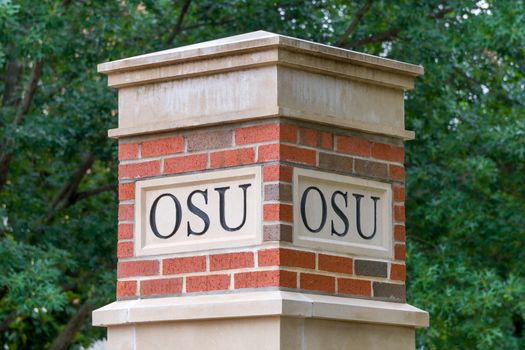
(279, 146)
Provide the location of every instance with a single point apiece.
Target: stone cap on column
(260, 75)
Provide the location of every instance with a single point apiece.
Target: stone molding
(257, 304)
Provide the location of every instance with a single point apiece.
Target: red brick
(399, 193)
(126, 289)
(308, 137)
(354, 287)
(210, 140)
(286, 152)
(184, 265)
(266, 132)
(399, 213)
(233, 157)
(399, 252)
(396, 172)
(160, 147)
(125, 231)
(207, 283)
(231, 261)
(388, 152)
(353, 145)
(126, 212)
(335, 264)
(286, 257)
(277, 172)
(124, 249)
(321, 283)
(182, 164)
(136, 170)
(327, 141)
(278, 212)
(259, 279)
(127, 151)
(126, 191)
(138, 268)
(399, 233)
(398, 272)
(161, 286)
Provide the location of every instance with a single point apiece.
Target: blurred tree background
(465, 170)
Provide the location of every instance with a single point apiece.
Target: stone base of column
(260, 320)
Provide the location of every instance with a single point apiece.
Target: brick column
(176, 118)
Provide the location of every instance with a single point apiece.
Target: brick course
(279, 147)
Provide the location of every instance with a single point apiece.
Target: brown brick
(399, 213)
(241, 156)
(266, 132)
(126, 289)
(277, 172)
(137, 268)
(370, 168)
(398, 272)
(125, 231)
(177, 266)
(286, 152)
(335, 162)
(393, 292)
(126, 212)
(124, 249)
(277, 232)
(278, 192)
(400, 252)
(335, 264)
(260, 279)
(399, 193)
(182, 164)
(160, 147)
(207, 283)
(230, 261)
(278, 212)
(286, 257)
(371, 268)
(354, 287)
(136, 170)
(210, 140)
(353, 145)
(161, 286)
(128, 151)
(388, 152)
(396, 173)
(399, 233)
(321, 283)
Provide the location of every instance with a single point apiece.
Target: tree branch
(374, 38)
(178, 26)
(65, 337)
(359, 15)
(69, 188)
(12, 76)
(29, 92)
(85, 194)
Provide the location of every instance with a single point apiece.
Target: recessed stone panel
(342, 213)
(195, 212)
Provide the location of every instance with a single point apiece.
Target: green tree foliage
(465, 170)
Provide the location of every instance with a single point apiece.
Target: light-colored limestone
(267, 75)
(147, 191)
(259, 304)
(379, 246)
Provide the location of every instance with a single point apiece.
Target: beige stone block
(266, 75)
(121, 338)
(244, 333)
(163, 217)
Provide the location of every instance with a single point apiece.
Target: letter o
(153, 214)
(323, 209)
